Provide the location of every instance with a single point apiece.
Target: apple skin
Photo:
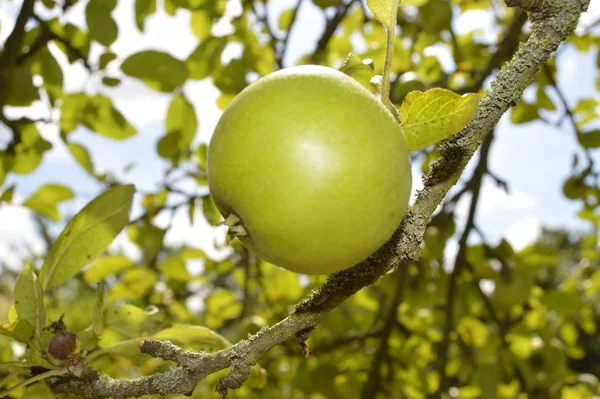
(316, 168)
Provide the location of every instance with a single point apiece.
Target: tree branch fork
(553, 21)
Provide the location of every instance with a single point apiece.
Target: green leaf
(148, 237)
(97, 319)
(181, 124)
(20, 330)
(29, 299)
(589, 139)
(7, 195)
(384, 11)
(127, 320)
(87, 235)
(82, 156)
(359, 70)
(107, 266)
(206, 57)
(201, 23)
(174, 268)
(285, 18)
(133, 284)
(565, 303)
(46, 199)
(103, 118)
(196, 337)
(101, 25)
(143, 9)
(327, 3)
(211, 213)
(72, 111)
(29, 152)
(110, 82)
(20, 89)
(106, 58)
(524, 113)
(434, 115)
(45, 65)
(160, 71)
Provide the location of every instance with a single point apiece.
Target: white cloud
(524, 232)
(494, 200)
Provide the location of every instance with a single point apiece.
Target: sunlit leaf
(159, 70)
(361, 71)
(196, 337)
(21, 91)
(565, 303)
(46, 199)
(201, 23)
(87, 235)
(148, 237)
(436, 114)
(127, 320)
(101, 25)
(206, 57)
(7, 194)
(81, 155)
(29, 299)
(107, 266)
(143, 9)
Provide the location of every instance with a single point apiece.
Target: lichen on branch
(552, 22)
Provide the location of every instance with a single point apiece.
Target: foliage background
(106, 91)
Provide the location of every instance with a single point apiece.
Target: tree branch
(554, 21)
(372, 386)
(330, 29)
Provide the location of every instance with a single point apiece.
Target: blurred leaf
(195, 337)
(127, 320)
(106, 58)
(431, 116)
(20, 330)
(201, 23)
(174, 268)
(101, 25)
(21, 91)
(523, 113)
(97, 319)
(29, 299)
(46, 199)
(7, 194)
(285, 18)
(384, 11)
(565, 303)
(206, 57)
(148, 237)
(143, 9)
(44, 64)
(160, 71)
(82, 156)
(103, 118)
(211, 213)
(589, 139)
(29, 152)
(181, 124)
(327, 3)
(361, 71)
(107, 266)
(132, 285)
(87, 235)
(111, 82)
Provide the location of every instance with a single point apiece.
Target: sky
(534, 158)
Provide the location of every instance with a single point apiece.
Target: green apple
(310, 171)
